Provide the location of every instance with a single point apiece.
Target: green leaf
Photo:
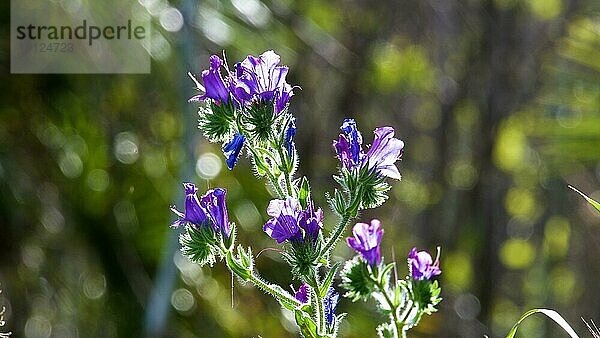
(590, 201)
(328, 280)
(552, 315)
(308, 328)
(382, 276)
(236, 267)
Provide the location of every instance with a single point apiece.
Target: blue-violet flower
(366, 240)
(382, 155)
(232, 150)
(290, 133)
(422, 266)
(213, 202)
(290, 222)
(214, 86)
(262, 79)
(302, 293)
(209, 209)
(193, 213)
(329, 304)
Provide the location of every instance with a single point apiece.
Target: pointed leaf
(328, 280)
(590, 201)
(552, 315)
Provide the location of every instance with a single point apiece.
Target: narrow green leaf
(552, 315)
(385, 271)
(328, 280)
(590, 201)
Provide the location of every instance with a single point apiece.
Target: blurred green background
(498, 102)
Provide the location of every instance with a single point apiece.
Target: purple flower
(382, 155)
(210, 208)
(329, 304)
(262, 79)
(302, 293)
(422, 266)
(384, 152)
(214, 204)
(214, 86)
(193, 211)
(290, 222)
(311, 221)
(284, 224)
(348, 146)
(366, 240)
(232, 150)
(289, 136)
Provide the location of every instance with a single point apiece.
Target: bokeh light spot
(182, 300)
(208, 165)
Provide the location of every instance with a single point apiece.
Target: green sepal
(199, 244)
(304, 192)
(228, 243)
(357, 280)
(303, 258)
(383, 273)
(386, 330)
(260, 118)
(216, 121)
(337, 202)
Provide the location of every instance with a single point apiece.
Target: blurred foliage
(498, 102)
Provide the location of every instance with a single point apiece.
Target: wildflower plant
(245, 109)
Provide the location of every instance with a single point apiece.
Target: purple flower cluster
(256, 79)
(382, 154)
(422, 266)
(366, 241)
(290, 222)
(210, 209)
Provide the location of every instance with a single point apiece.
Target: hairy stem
(280, 295)
(393, 309)
(320, 313)
(275, 184)
(288, 182)
(339, 230)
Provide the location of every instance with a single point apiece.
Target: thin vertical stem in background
(157, 309)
